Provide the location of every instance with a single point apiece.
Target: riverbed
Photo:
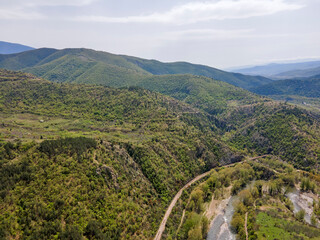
(301, 201)
(220, 226)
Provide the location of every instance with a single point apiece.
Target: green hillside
(139, 148)
(210, 95)
(308, 87)
(76, 70)
(159, 68)
(79, 161)
(248, 122)
(55, 65)
(278, 129)
(22, 60)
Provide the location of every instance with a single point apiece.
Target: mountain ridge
(11, 48)
(274, 70)
(43, 63)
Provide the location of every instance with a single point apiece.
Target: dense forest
(80, 161)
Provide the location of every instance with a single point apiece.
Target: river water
(220, 226)
(301, 201)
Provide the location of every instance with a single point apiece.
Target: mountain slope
(140, 147)
(309, 87)
(273, 69)
(158, 68)
(10, 48)
(241, 117)
(93, 162)
(210, 95)
(55, 64)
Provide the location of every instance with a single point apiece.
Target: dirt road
(245, 225)
(173, 203)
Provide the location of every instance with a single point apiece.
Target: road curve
(178, 195)
(173, 203)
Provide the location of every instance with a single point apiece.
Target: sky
(218, 33)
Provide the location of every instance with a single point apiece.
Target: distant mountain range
(283, 70)
(96, 67)
(184, 81)
(309, 72)
(307, 87)
(9, 48)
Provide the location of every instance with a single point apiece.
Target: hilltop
(96, 67)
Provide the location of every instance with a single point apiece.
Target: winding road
(173, 203)
(178, 195)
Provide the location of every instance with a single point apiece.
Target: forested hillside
(139, 148)
(94, 67)
(94, 162)
(307, 87)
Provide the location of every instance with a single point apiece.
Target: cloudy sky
(218, 33)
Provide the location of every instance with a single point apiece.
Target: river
(300, 201)
(220, 226)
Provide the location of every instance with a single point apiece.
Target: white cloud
(208, 34)
(59, 2)
(19, 14)
(29, 10)
(203, 11)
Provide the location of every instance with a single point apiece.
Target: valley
(160, 120)
(147, 160)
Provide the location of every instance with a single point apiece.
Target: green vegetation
(217, 186)
(282, 130)
(88, 160)
(260, 186)
(212, 96)
(94, 162)
(89, 66)
(158, 68)
(309, 87)
(272, 226)
(99, 193)
(270, 211)
(303, 92)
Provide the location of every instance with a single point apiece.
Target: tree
(314, 220)
(197, 197)
(246, 197)
(300, 215)
(195, 234)
(237, 223)
(205, 225)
